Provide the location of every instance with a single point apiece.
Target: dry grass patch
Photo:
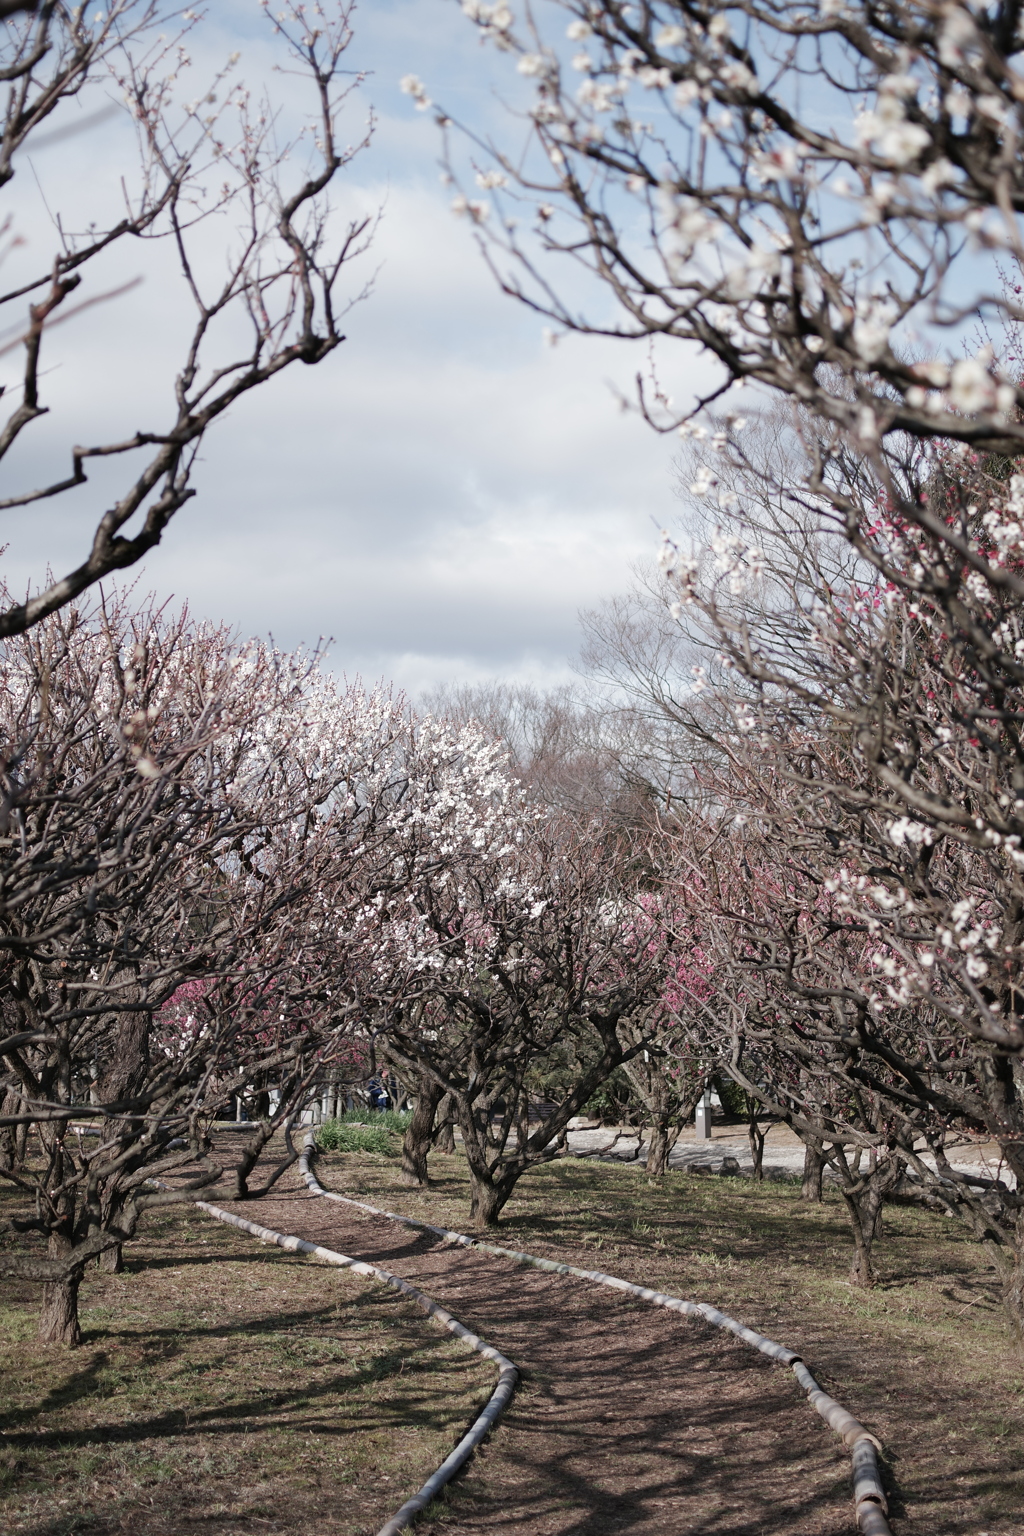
(224, 1387)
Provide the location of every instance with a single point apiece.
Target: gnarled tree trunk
(10, 1160)
(487, 1198)
(864, 1212)
(444, 1125)
(416, 1142)
(1013, 1285)
(490, 1184)
(58, 1318)
(755, 1136)
(814, 1170)
(110, 1260)
(663, 1138)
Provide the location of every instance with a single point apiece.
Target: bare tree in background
(574, 751)
(278, 262)
(547, 734)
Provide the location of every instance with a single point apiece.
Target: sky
(440, 497)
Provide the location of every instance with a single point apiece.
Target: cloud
(441, 496)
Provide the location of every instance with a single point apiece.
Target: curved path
(626, 1422)
(499, 1399)
(868, 1494)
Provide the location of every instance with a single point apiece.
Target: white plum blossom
(680, 570)
(871, 329)
(412, 85)
(888, 131)
(688, 225)
(758, 265)
(628, 61)
(972, 387)
(600, 95)
(779, 164)
(941, 173)
(958, 102)
(1005, 527)
(736, 559)
(735, 74)
(903, 831)
(958, 36)
(993, 108)
(934, 372)
(464, 207)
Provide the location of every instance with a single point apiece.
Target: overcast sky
(442, 495)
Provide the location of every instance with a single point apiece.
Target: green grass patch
(341, 1136)
(396, 1120)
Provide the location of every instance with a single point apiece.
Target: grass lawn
(226, 1387)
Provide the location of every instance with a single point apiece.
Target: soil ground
(226, 1387)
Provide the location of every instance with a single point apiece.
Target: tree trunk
(111, 1260)
(864, 1210)
(488, 1194)
(444, 1121)
(862, 1270)
(125, 1071)
(487, 1200)
(58, 1319)
(814, 1169)
(659, 1147)
(756, 1137)
(9, 1160)
(1013, 1286)
(416, 1142)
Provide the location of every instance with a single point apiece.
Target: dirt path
(627, 1418)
